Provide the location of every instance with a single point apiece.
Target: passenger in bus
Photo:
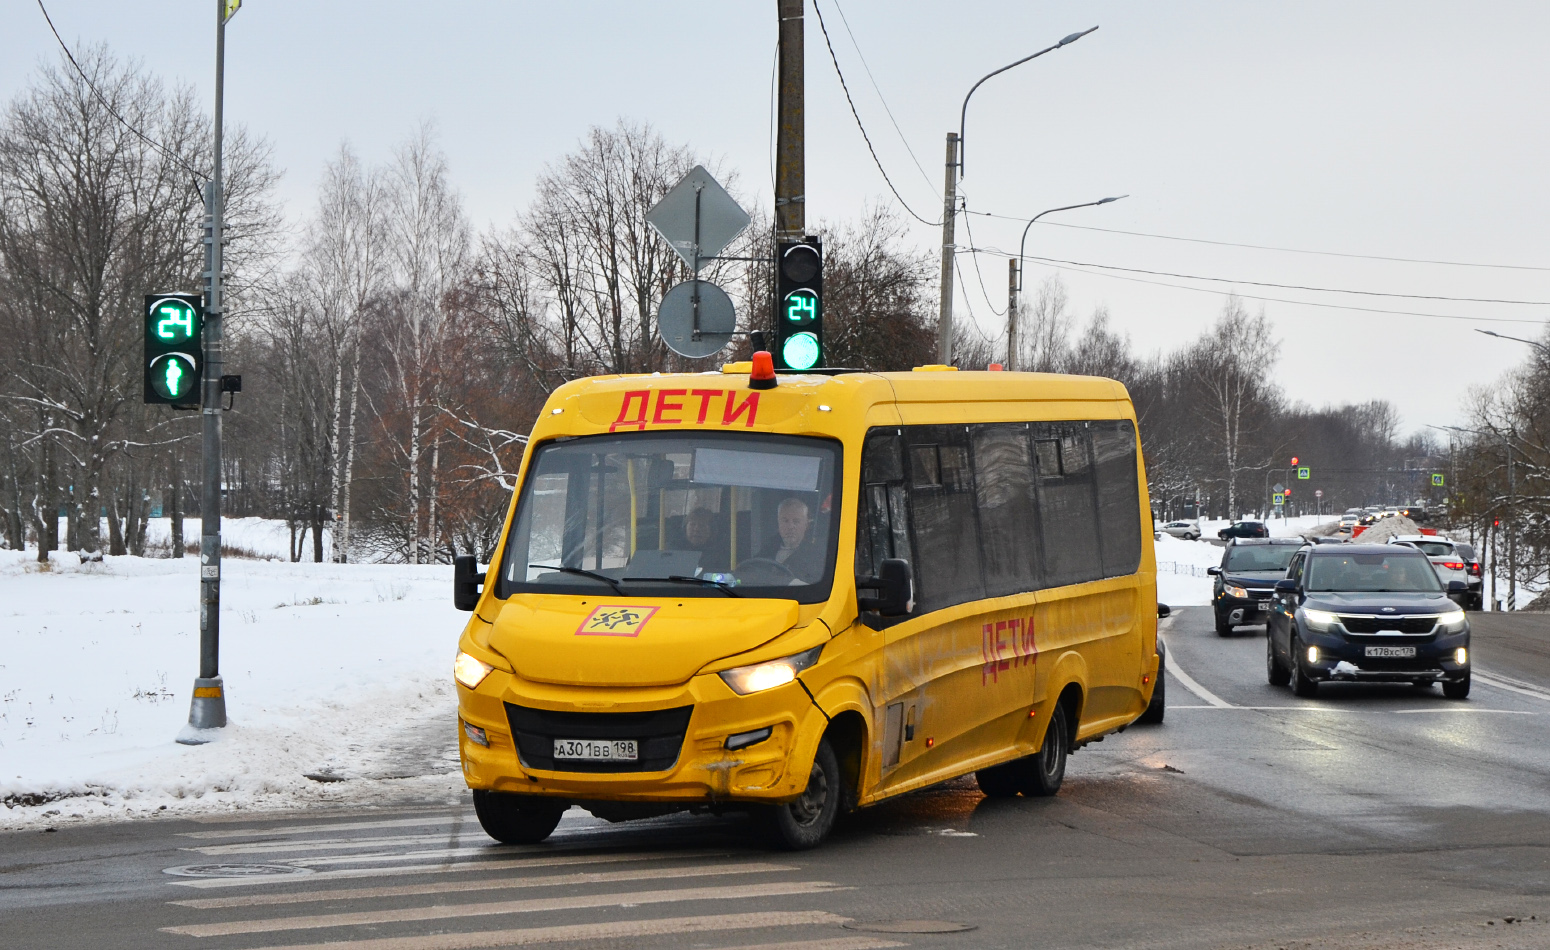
(700, 535)
(794, 548)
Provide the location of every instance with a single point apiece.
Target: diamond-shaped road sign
(698, 211)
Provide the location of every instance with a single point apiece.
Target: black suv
(1248, 573)
(1244, 529)
(1366, 612)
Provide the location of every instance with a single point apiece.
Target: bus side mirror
(465, 582)
(892, 592)
(1163, 610)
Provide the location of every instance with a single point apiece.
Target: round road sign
(675, 319)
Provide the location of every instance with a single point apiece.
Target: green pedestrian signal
(1304, 473)
(1437, 479)
(799, 304)
(174, 358)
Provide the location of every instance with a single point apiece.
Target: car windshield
(1260, 557)
(1359, 573)
(1433, 548)
(687, 514)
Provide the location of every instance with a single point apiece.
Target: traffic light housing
(174, 355)
(799, 304)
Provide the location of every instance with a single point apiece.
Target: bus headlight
(470, 671)
(768, 675)
(1319, 620)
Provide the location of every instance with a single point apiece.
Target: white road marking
(341, 826)
(614, 930)
(446, 868)
(1191, 685)
(533, 905)
(1511, 685)
(331, 844)
(1364, 711)
(493, 884)
(1465, 709)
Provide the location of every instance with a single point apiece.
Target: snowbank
(1182, 580)
(329, 669)
(1379, 532)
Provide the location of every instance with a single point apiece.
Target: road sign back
(698, 211)
(675, 319)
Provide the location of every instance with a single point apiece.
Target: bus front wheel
(517, 819)
(804, 823)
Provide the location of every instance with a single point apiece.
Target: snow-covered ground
(328, 668)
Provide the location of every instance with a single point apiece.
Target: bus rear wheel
(804, 823)
(1046, 769)
(517, 819)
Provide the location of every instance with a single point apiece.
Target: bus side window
(882, 528)
(942, 513)
(1068, 512)
(1119, 502)
(1004, 492)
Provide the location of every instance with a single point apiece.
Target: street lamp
(1017, 281)
(950, 200)
(1502, 336)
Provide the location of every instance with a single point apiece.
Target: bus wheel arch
(1071, 698)
(847, 736)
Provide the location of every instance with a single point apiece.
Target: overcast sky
(1396, 129)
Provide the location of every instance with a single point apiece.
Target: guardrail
(1176, 567)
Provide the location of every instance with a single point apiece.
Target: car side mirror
(1163, 610)
(1286, 586)
(465, 582)
(892, 592)
(1457, 587)
(1213, 571)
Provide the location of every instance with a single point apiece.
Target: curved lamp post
(1017, 282)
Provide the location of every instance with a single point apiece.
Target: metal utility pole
(208, 708)
(1013, 282)
(944, 331)
(1512, 531)
(1017, 270)
(790, 135)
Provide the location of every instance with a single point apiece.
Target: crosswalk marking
(613, 930)
(329, 844)
(537, 861)
(460, 887)
(338, 826)
(443, 912)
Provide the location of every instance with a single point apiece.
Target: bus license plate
(598, 750)
(1391, 651)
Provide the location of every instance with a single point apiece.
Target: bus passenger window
(883, 526)
(1119, 502)
(1003, 476)
(1068, 512)
(942, 513)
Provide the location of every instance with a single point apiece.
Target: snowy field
(330, 669)
(1181, 565)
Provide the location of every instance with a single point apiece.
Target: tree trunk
(342, 544)
(318, 515)
(336, 458)
(414, 483)
(177, 504)
(431, 522)
(115, 528)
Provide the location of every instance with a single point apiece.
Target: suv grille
(1421, 624)
(659, 735)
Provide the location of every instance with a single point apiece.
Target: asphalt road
(1371, 817)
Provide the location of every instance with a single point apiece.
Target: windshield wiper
(583, 572)
(686, 579)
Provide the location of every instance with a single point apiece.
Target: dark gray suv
(1366, 613)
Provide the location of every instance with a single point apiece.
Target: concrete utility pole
(790, 134)
(1512, 530)
(944, 331)
(1013, 282)
(208, 708)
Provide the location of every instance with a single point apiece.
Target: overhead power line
(868, 139)
(1264, 247)
(1300, 303)
(198, 176)
(880, 97)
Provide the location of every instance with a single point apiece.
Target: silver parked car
(1446, 559)
(1187, 530)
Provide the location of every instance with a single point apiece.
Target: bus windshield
(686, 514)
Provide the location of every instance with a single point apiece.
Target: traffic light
(799, 304)
(174, 360)
(1294, 460)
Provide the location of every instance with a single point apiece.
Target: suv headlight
(769, 674)
(470, 670)
(1452, 621)
(1238, 592)
(1321, 621)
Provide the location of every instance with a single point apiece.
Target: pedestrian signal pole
(208, 708)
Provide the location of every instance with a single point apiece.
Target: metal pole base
(206, 711)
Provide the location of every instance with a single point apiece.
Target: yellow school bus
(801, 596)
